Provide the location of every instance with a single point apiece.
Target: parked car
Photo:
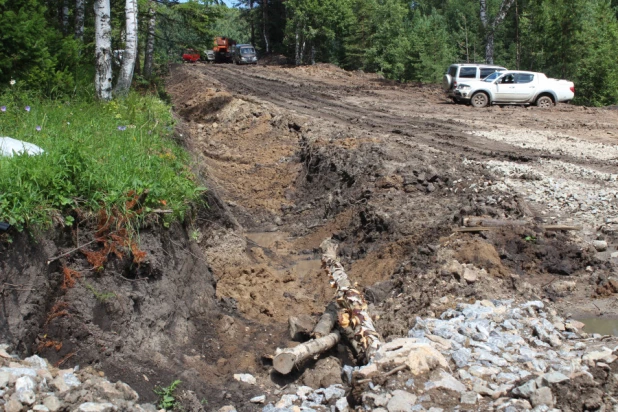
(244, 54)
(457, 73)
(190, 55)
(208, 56)
(516, 87)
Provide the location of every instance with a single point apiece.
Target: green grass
(167, 397)
(95, 153)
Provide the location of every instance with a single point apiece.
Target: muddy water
(270, 240)
(603, 326)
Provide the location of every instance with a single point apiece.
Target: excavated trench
(290, 158)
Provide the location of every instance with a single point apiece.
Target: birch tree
(128, 60)
(265, 25)
(103, 50)
(65, 17)
(79, 20)
(490, 27)
(150, 40)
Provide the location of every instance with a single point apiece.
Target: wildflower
(12, 82)
(27, 108)
(122, 128)
(38, 128)
(3, 108)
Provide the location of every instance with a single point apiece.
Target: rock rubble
(490, 355)
(32, 384)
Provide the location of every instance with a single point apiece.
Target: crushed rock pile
(32, 384)
(486, 356)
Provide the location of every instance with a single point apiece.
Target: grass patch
(100, 296)
(95, 154)
(167, 396)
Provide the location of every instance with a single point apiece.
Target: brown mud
(292, 156)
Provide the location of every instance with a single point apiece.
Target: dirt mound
(481, 254)
(271, 59)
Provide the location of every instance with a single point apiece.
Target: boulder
(401, 401)
(424, 358)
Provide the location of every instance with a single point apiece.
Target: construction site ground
(292, 156)
(392, 170)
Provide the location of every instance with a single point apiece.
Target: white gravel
(553, 142)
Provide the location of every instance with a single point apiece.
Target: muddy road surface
(393, 172)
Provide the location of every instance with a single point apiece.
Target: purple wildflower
(27, 108)
(3, 108)
(38, 128)
(122, 128)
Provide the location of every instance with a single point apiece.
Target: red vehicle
(190, 55)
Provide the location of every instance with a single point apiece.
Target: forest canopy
(407, 41)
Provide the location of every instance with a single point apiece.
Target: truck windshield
(492, 77)
(247, 50)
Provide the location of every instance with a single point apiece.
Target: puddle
(269, 240)
(307, 267)
(603, 326)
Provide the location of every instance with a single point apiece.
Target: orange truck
(223, 49)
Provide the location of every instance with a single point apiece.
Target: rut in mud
(292, 156)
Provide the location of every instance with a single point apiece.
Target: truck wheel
(544, 102)
(447, 81)
(479, 100)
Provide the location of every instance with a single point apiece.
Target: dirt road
(295, 155)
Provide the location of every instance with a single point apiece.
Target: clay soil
(292, 156)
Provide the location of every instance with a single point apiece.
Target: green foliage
(95, 154)
(33, 52)
(596, 73)
(184, 25)
(100, 296)
(167, 399)
(432, 48)
(230, 23)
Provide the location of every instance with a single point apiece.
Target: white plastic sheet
(9, 146)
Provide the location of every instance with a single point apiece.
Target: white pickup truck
(516, 87)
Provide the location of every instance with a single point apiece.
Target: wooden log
(352, 305)
(561, 227)
(483, 221)
(475, 229)
(286, 359)
(326, 322)
(486, 228)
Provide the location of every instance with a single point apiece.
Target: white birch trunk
(65, 17)
(128, 61)
(302, 51)
(297, 62)
(353, 308)
(103, 50)
(490, 28)
(150, 41)
(79, 20)
(264, 25)
(286, 359)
